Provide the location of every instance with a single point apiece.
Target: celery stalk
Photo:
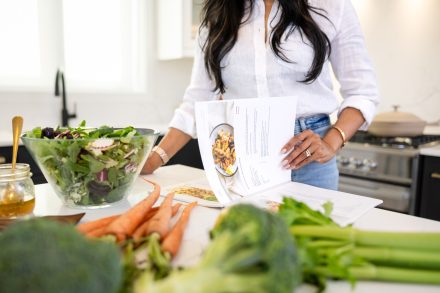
(408, 240)
(327, 250)
(399, 257)
(398, 275)
(391, 274)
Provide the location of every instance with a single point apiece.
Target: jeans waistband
(311, 122)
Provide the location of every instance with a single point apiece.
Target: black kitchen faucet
(65, 115)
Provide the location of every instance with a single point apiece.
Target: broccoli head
(44, 256)
(251, 251)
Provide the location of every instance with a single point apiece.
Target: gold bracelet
(342, 133)
(162, 154)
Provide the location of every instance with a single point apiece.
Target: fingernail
(293, 167)
(283, 151)
(287, 166)
(285, 163)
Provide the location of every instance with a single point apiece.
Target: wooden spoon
(17, 126)
(10, 195)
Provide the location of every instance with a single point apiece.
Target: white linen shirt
(251, 69)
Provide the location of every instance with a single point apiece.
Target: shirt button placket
(260, 53)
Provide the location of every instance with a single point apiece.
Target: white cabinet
(178, 23)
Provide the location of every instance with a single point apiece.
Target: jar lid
(21, 171)
(397, 116)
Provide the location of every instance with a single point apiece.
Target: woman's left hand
(304, 148)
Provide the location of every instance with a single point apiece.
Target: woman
(264, 48)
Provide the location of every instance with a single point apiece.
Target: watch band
(162, 154)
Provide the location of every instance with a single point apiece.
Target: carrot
(161, 220)
(150, 214)
(173, 240)
(142, 229)
(96, 233)
(176, 209)
(140, 232)
(98, 227)
(84, 228)
(127, 223)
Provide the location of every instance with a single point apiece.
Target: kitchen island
(202, 219)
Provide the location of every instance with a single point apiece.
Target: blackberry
(48, 132)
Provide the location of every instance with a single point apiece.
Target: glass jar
(17, 191)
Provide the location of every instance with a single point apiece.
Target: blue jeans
(324, 175)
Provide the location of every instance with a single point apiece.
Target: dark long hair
(222, 19)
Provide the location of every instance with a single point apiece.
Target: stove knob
(372, 165)
(359, 164)
(356, 163)
(343, 161)
(369, 165)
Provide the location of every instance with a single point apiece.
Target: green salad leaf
(89, 166)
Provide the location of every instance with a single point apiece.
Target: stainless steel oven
(384, 168)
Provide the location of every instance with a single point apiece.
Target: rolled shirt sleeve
(200, 89)
(353, 68)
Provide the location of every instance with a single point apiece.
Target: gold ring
(308, 153)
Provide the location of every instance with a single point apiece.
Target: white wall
(167, 81)
(403, 39)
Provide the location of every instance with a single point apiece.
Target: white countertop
(431, 151)
(202, 219)
(432, 129)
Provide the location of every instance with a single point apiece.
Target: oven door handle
(435, 175)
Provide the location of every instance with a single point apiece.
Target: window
(98, 44)
(19, 50)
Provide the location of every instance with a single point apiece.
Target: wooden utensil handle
(17, 125)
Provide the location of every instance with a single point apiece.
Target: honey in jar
(17, 192)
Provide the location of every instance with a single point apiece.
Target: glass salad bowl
(90, 167)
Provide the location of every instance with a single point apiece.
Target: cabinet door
(5, 155)
(23, 156)
(430, 193)
(178, 22)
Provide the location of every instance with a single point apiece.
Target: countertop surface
(432, 129)
(431, 151)
(202, 219)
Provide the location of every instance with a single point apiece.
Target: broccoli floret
(44, 256)
(251, 251)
